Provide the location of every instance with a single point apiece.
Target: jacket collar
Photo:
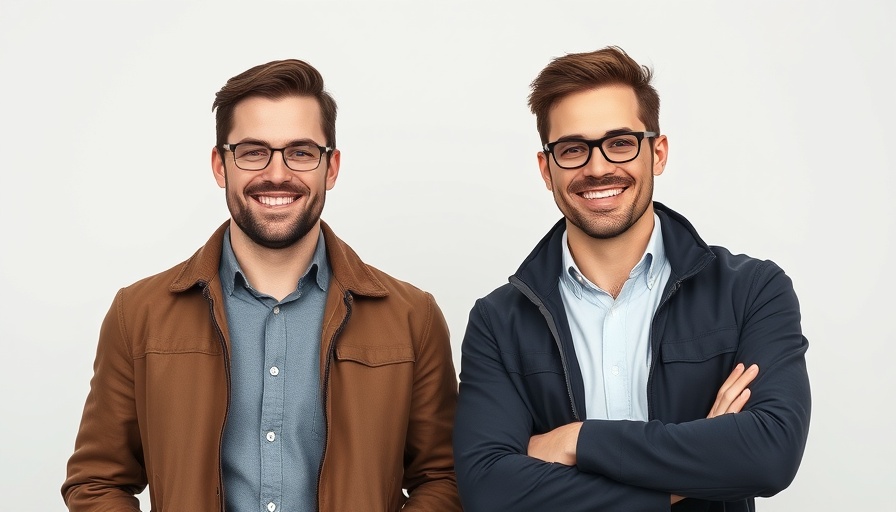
(348, 271)
(686, 251)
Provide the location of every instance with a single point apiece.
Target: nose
(598, 165)
(277, 171)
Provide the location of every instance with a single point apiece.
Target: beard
(265, 232)
(605, 225)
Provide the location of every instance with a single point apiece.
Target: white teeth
(275, 201)
(599, 194)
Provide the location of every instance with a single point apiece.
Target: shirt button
(272, 507)
(276, 312)
(275, 371)
(270, 437)
(615, 370)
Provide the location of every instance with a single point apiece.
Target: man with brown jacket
(273, 370)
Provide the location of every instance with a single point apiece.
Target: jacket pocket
(172, 345)
(700, 347)
(376, 356)
(532, 363)
(375, 383)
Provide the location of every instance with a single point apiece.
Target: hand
(558, 445)
(734, 393)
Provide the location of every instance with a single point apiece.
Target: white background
(779, 116)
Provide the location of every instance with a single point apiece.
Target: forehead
(277, 120)
(593, 112)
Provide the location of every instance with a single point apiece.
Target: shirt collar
(653, 259)
(232, 275)
(654, 256)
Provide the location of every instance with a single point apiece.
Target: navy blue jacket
(520, 377)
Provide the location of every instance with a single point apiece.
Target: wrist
(572, 441)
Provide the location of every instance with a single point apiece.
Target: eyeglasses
(618, 149)
(252, 156)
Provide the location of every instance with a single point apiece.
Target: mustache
(287, 186)
(591, 182)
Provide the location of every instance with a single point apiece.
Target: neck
(273, 272)
(607, 262)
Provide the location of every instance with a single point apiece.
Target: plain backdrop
(778, 114)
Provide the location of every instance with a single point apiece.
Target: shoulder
(501, 298)
(740, 277)
(508, 308)
(148, 309)
(742, 267)
(154, 287)
(687, 252)
(398, 290)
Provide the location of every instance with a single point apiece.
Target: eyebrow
(610, 133)
(294, 142)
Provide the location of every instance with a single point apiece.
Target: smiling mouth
(601, 194)
(275, 200)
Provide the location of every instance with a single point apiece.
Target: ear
(660, 153)
(333, 168)
(218, 168)
(544, 165)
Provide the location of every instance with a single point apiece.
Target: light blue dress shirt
(274, 436)
(611, 336)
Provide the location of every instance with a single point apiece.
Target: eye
(621, 142)
(252, 152)
(571, 149)
(623, 145)
(304, 152)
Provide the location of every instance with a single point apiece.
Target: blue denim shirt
(274, 436)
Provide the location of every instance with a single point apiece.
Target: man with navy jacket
(611, 372)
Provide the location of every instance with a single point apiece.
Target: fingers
(735, 374)
(733, 394)
(738, 404)
(721, 404)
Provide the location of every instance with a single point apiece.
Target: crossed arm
(559, 445)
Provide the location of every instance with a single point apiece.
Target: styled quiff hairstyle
(576, 72)
(274, 80)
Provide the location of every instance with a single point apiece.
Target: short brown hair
(576, 72)
(274, 80)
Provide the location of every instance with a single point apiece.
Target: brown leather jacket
(159, 395)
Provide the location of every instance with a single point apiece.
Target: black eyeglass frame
(598, 143)
(324, 150)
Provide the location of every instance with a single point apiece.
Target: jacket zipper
(347, 299)
(552, 325)
(211, 310)
(655, 350)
